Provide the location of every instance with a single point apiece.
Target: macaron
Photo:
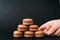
(33, 27)
(17, 34)
(39, 34)
(22, 28)
(27, 21)
(28, 34)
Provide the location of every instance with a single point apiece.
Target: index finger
(42, 27)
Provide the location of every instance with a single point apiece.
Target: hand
(51, 27)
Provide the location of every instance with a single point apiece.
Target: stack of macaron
(28, 29)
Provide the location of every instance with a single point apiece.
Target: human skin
(51, 27)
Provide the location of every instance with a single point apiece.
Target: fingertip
(39, 28)
(48, 33)
(42, 27)
(45, 31)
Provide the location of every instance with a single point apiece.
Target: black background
(13, 11)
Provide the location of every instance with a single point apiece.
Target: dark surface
(34, 38)
(13, 11)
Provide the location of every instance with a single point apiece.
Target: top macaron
(27, 21)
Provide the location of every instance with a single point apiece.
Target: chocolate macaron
(28, 34)
(33, 27)
(27, 21)
(22, 28)
(17, 34)
(39, 34)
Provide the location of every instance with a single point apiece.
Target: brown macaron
(39, 34)
(33, 27)
(17, 34)
(22, 28)
(28, 34)
(27, 21)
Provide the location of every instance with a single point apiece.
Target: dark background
(13, 11)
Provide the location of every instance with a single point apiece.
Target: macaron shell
(28, 32)
(33, 26)
(28, 35)
(27, 23)
(27, 19)
(39, 32)
(17, 35)
(39, 35)
(22, 26)
(17, 32)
